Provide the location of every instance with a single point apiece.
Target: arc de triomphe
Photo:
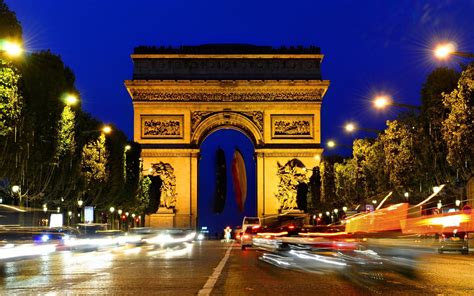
(181, 95)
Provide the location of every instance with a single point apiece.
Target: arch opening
(227, 140)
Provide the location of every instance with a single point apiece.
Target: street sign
(369, 208)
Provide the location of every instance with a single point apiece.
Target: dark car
(454, 241)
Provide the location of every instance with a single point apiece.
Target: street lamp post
(79, 214)
(381, 102)
(444, 50)
(351, 127)
(112, 210)
(17, 193)
(119, 212)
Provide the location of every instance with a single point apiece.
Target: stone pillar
(164, 218)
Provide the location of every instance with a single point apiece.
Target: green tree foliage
(143, 195)
(10, 28)
(457, 130)
(94, 161)
(433, 112)
(10, 98)
(346, 179)
(328, 187)
(314, 190)
(54, 153)
(66, 133)
(400, 159)
(369, 155)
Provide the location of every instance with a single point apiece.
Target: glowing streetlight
(443, 50)
(327, 213)
(331, 144)
(127, 213)
(350, 127)
(406, 194)
(106, 129)
(80, 203)
(458, 202)
(336, 211)
(71, 100)
(119, 212)
(439, 205)
(374, 201)
(12, 49)
(381, 102)
(112, 209)
(15, 188)
(344, 209)
(128, 147)
(133, 215)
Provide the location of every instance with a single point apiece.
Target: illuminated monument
(181, 95)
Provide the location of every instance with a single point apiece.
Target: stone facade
(278, 108)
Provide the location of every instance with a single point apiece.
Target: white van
(250, 221)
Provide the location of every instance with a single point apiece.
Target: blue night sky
(369, 46)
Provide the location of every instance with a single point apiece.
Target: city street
(211, 268)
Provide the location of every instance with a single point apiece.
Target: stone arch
(232, 120)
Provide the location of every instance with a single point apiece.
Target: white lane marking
(211, 281)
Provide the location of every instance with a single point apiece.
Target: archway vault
(180, 96)
(228, 119)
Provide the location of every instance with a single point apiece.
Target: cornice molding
(227, 91)
(227, 56)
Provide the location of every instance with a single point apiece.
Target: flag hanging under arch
(239, 178)
(221, 182)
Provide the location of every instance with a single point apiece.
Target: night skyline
(392, 56)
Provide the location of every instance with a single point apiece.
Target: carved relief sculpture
(227, 96)
(292, 126)
(291, 175)
(168, 187)
(162, 126)
(255, 116)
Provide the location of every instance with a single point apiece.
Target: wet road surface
(203, 267)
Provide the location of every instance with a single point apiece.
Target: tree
(314, 190)
(94, 160)
(66, 133)
(458, 127)
(433, 112)
(328, 187)
(10, 28)
(370, 158)
(10, 98)
(400, 160)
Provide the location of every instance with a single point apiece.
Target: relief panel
(292, 126)
(162, 126)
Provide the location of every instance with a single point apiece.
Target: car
(248, 235)
(454, 241)
(250, 222)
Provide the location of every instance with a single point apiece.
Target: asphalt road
(210, 268)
